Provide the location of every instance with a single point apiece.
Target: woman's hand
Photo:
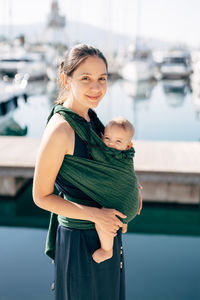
(140, 200)
(107, 219)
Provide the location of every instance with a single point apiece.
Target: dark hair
(73, 58)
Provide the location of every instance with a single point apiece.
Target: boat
(16, 60)
(140, 67)
(176, 65)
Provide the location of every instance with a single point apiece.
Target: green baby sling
(108, 178)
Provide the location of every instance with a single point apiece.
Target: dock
(168, 171)
(17, 163)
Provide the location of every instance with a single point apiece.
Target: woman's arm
(57, 141)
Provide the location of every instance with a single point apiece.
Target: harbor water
(160, 111)
(157, 266)
(161, 252)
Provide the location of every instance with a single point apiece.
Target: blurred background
(153, 52)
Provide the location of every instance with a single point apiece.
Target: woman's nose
(95, 85)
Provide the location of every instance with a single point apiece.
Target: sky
(171, 20)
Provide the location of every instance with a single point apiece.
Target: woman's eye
(102, 79)
(85, 78)
(118, 141)
(106, 138)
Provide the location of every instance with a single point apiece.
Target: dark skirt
(78, 276)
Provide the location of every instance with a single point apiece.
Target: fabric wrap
(108, 177)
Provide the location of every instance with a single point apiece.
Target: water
(162, 267)
(26, 272)
(158, 267)
(161, 250)
(159, 111)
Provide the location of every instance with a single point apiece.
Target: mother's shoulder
(58, 123)
(59, 127)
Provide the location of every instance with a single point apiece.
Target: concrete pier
(168, 171)
(17, 162)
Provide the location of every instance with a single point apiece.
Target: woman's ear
(66, 81)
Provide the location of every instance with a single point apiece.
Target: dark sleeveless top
(63, 185)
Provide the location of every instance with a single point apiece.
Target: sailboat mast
(138, 18)
(10, 22)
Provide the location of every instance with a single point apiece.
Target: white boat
(18, 61)
(195, 76)
(139, 67)
(137, 70)
(176, 65)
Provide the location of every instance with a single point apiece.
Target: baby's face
(117, 137)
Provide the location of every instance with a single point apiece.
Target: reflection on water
(155, 108)
(175, 91)
(163, 264)
(27, 272)
(139, 89)
(21, 210)
(162, 267)
(157, 266)
(155, 218)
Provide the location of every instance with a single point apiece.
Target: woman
(83, 78)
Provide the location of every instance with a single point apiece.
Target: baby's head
(118, 134)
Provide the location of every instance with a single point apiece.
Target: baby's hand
(124, 228)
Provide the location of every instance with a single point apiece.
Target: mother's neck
(80, 110)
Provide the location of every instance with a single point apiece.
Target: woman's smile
(93, 97)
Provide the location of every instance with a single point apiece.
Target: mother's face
(88, 84)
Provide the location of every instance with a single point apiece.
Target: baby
(118, 134)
